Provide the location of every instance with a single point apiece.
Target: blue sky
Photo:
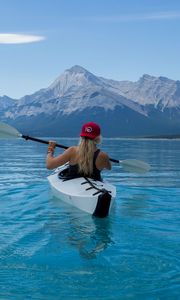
(115, 39)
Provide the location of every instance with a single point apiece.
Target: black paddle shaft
(27, 137)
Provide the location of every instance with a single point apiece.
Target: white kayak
(91, 196)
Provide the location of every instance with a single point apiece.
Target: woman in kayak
(85, 159)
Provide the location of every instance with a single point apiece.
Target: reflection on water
(92, 238)
(89, 235)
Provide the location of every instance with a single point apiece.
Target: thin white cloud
(13, 38)
(166, 15)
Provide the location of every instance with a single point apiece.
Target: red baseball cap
(90, 130)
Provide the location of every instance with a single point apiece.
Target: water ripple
(49, 250)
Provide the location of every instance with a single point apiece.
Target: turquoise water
(49, 250)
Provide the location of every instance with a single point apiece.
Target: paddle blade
(7, 131)
(134, 165)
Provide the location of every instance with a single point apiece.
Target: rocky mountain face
(150, 106)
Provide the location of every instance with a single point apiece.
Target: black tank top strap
(96, 172)
(96, 153)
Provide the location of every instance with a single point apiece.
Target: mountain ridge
(150, 105)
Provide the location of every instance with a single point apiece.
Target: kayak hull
(82, 193)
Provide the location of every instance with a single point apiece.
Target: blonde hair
(86, 154)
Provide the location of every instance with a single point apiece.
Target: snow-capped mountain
(6, 102)
(149, 106)
(149, 90)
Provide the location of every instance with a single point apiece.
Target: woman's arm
(54, 162)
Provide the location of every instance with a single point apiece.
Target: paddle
(130, 165)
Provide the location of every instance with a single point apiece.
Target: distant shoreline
(168, 136)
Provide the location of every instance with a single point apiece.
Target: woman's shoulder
(72, 149)
(103, 155)
(102, 161)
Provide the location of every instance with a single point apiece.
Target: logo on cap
(88, 129)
